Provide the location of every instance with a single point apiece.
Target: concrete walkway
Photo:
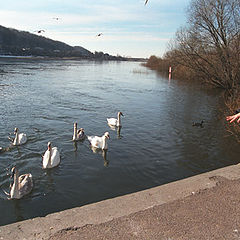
(204, 207)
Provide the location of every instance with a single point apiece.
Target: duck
(78, 134)
(198, 124)
(51, 157)
(115, 121)
(22, 185)
(99, 142)
(20, 138)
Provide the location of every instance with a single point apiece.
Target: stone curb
(107, 210)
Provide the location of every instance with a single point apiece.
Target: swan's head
(120, 113)
(49, 145)
(75, 125)
(13, 171)
(15, 130)
(80, 130)
(106, 135)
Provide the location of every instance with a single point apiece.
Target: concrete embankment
(200, 207)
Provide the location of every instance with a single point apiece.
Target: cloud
(75, 37)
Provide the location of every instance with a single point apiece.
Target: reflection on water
(49, 183)
(118, 129)
(157, 143)
(5, 192)
(75, 146)
(103, 153)
(76, 143)
(18, 210)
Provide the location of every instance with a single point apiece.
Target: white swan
(115, 121)
(21, 186)
(20, 138)
(51, 157)
(99, 142)
(78, 134)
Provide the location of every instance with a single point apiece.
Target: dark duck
(198, 124)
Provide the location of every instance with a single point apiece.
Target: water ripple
(157, 143)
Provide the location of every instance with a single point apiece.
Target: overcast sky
(129, 27)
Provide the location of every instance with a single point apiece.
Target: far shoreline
(71, 58)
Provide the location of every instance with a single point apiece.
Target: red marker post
(170, 71)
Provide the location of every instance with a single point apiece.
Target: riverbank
(205, 206)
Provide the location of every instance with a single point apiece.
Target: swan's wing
(25, 184)
(55, 158)
(54, 149)
(90, 138)
(112, 121)
(22, 138)
(21, 179)
(45, 159)
(95, 141)
(24, 178)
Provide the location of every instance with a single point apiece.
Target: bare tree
(209, 45)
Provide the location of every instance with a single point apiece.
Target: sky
(129, 27)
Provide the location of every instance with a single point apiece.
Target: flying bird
(39, 31)
(56, 18)
(146, 2)
(98, 35)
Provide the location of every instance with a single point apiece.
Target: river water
(156, 145)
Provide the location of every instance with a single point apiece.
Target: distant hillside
(22, 43)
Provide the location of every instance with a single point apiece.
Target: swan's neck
(74, 133)
(15, 142)
(49, 158)
(15, 187)
(104, 145)
(119, 120)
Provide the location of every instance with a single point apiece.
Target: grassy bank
(162, 65)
